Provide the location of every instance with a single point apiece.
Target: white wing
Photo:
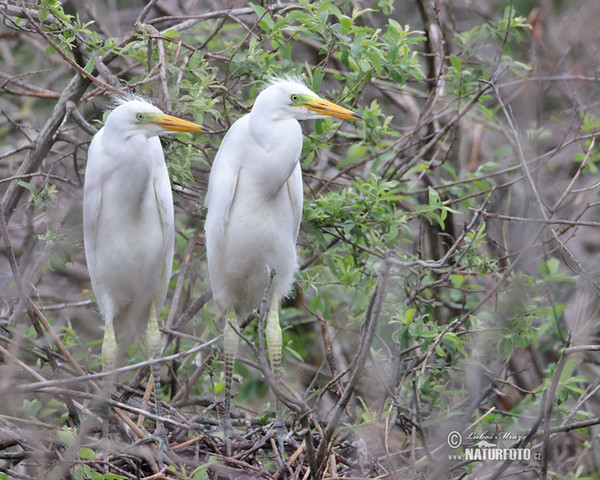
(92, 200)
(294, 186)
(222, 185)
(164, 202)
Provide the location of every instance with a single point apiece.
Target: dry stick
(122, 406)
(43, 143)
(575, 177)
(582, 271)
(66, 381)
(72, 92)
(192, 310)
(367, 333)
(545, 221)
(291, 460)
(179, 288)
(187, 443)
(576, 425)
(27, 89)
(327, 345)
(56, 339)
(35, 321)
(162, 69)
(185, 317)
(190, 20)
(22, 364)
(69, 60)
(79, 120)
(549, 404)
(183, 392)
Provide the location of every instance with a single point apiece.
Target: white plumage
(128, 227)
(128, 217)
(254, 203)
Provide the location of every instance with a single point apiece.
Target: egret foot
(274, 345)
(153, 342)
(162, 444)
(230, 346)
(109, 362)
(280, 429)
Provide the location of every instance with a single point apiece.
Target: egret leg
(153, 341)
(230, 346)
(109, 362)
(274, 345)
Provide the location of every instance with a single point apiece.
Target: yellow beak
(174, 124)
(323, 107)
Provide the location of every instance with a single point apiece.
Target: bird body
(254, 202)
(256, 224)
(128, 226)
(128, 229)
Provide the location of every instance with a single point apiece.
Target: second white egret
(254, 202)
(128, 227)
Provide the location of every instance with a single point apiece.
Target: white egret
(128, 228)
(254, 202)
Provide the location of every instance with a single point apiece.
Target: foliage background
(449, 280)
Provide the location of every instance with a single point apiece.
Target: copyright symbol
(454, 439)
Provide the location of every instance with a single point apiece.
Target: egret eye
(139, 116)
(294, 98)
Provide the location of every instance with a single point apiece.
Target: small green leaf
(195, 59)
(66, 436)
(346, 23)
(171, 33)
(28, 186)
(355, 154)
(86, 453)
(89, 66)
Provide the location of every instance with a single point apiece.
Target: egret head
(136, 116)
(290, 98)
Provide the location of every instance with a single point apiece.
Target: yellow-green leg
(274, 345)
(109, 362)
(230, 346)
(153, 342)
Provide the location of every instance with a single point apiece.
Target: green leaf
(195, 60)
(356, 153)
(89, 66)
(28, 186)
(258, 10)
(346, 23)
(86, 453)
(317, 78)
(553, 266)
(568, 369)
(43, 14)
(66, 436)
(171, 33)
